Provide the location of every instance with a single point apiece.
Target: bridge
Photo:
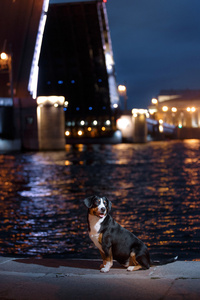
(138, 127)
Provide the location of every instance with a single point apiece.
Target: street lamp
(6, 66)
(122, 91)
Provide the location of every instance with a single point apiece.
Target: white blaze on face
(101, 205)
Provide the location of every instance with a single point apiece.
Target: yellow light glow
(89, 129)
(66, 103)
(55, 105)
(174, 109)
(67, 132)
(165, 108)
(103, 128)
(4, 56)
(123, 123)
(80, 132)
(50, 100)
(160, 121)
(139, 111)
(188, 109)
(108, 122)
(121, 88)
(154, 101)
(161, 128)
(193, 109)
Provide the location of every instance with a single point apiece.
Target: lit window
(108, 122)
(82, 123)
(67, 132)
(80, 132)
(164, 108)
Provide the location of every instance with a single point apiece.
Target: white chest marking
(95, 224)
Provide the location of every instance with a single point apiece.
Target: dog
(114, 241)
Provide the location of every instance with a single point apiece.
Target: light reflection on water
(154, 189)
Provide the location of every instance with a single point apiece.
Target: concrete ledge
(81, 279)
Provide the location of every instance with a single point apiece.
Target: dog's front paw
(104, 270)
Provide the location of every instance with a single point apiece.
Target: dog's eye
(104, 202)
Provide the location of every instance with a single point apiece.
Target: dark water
(154, 189)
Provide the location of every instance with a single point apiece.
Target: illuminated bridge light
(80, 132)
(67, 133)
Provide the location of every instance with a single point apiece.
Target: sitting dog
(114, 241)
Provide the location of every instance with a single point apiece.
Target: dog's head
(98, 206)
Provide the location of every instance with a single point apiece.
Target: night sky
(156, 45)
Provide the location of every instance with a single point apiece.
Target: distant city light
(188, 109)
(60, 81)
(80, 132)
(103, 128)
(95, 122)
(193, 109)
(89, 129)
(165, 108)
(52, 100)
(4, 56)
(115, 105)
(82, 122)
(67, 132)
(174, 109)
(121, 88)
(108, 122)
(123, 123)
(161, 129)
(90, 108)
(154, 101)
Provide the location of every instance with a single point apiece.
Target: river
(154, 189)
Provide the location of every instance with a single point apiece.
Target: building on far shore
(180, 108)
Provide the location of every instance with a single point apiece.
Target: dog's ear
(109, 204)
(88, 201)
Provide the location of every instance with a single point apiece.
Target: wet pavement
(52, 279)
(154, 189)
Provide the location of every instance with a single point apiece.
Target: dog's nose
(103, 209)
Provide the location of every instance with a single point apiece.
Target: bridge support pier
(51, 127)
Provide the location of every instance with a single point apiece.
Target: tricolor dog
(114, 241)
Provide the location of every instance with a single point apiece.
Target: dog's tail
(163, 261)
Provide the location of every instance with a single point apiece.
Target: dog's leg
(108, 262)
(133, 264)
(104, 259)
